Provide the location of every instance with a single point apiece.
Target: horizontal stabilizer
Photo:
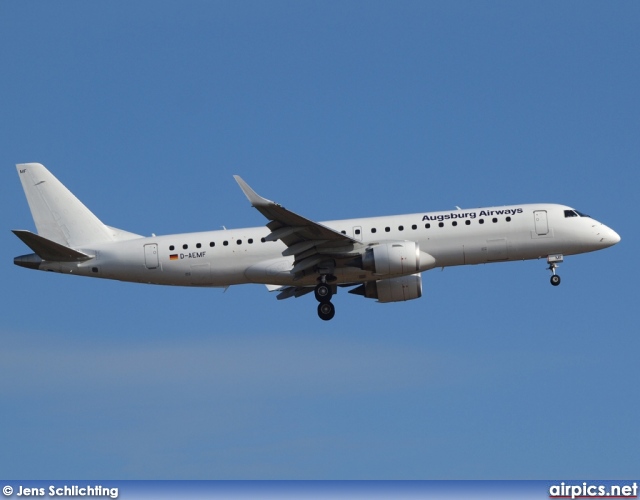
(50, 250)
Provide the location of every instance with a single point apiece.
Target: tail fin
(60, 216)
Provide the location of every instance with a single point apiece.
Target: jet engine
(399, 257)
(396, 257)
(393, 289)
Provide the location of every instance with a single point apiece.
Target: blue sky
(145, 110)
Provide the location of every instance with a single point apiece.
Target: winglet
(255, 199)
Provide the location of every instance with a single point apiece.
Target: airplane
(379, 257)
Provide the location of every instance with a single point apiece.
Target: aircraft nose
(608, 237)
(613, 237)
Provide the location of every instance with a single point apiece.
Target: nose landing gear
(554, 261)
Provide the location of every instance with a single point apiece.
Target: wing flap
(299, 248)
(294, 291)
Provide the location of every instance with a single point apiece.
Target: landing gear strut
(554, 261)
(323, 293)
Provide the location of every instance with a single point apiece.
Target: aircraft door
(357, 233)
(542, 225)
(151, 256)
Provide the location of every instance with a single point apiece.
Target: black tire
(555, 280)
(323, 293)
(326, 311)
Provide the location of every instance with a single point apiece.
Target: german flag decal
(173, 257)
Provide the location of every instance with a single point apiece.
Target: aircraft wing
(309, 242)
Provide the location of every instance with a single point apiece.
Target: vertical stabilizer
(59, 216)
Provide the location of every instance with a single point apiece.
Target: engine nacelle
(392, 289)
(396, 258)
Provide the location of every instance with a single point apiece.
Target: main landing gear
(326, 310)
(554, 261)
(323, 293)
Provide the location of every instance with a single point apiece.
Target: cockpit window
(574, 213)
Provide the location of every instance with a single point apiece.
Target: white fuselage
(452, 238)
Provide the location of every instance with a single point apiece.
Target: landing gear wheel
(323, 292)
(554, 261)
(326, 311)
